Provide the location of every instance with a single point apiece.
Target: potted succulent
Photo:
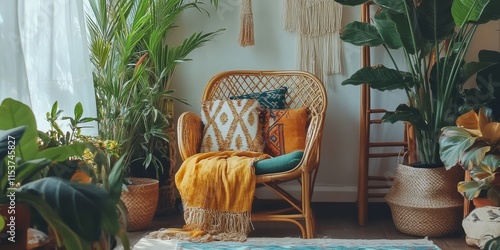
(76, 223)
(434, 37)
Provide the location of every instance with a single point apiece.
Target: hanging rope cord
(246, 37)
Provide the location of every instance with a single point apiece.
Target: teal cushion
(272, 99)
(279, 163)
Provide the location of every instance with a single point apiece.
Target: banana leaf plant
(474, 144)
(134, 63)
(423, 30)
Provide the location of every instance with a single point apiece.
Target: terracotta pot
(15, 234)
(482, 202)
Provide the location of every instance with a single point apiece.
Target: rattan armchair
(304, 89)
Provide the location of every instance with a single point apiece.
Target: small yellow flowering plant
(97, 158)
(93, 166)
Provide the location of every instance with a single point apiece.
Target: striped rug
(289, 244)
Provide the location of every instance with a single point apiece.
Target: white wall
(276, 49)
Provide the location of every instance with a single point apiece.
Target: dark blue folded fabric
(272, 99)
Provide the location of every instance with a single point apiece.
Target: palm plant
(434, 36)
(133, 71)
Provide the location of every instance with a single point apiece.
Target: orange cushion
(284, 130)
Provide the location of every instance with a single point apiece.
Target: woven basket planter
(141, 201)
(425, 201)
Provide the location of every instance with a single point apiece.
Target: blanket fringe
(218, 222)
(204, 225)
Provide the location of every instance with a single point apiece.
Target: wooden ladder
(367, 182)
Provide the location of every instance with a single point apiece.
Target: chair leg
(306, 206)
(309, 218)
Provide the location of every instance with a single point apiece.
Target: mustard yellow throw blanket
(217, 190)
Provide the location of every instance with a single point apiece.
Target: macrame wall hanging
(318, 24)
(246, 24)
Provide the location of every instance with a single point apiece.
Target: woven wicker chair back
(304, 89)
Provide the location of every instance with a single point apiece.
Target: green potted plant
(423, 29)
(76, 223)
(474, 145)
(133, 69)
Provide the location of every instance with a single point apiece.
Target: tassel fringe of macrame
(318, 24)
(246, 37)
(203, 225)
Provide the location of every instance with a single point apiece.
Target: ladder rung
(387, 144)
(379, 186)
(376, 121)
(377, 195)
(379, 178)
(374, 111)
(383, 155)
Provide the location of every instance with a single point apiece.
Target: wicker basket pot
(141, 201)
(425, 201)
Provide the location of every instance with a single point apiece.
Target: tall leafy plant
(434, 36)
(133, 72)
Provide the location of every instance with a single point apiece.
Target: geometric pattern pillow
(272, 99)
(231, 125)
(284, 130)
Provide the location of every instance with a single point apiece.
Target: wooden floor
(333, 220)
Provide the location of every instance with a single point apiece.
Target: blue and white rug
(289, 244)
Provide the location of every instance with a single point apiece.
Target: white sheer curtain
(45, 57)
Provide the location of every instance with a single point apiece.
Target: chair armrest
(189, 134)
(314, 135)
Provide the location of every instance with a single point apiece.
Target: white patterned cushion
(481, 225)
(231, 125)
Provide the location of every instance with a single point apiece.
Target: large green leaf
(435, 19)
(360, 33)
(408, 29)
(64, 234)
(380, 78)
(469, 189)
(493, 162)
(471, 68)
(14, 114)
(408, 114)
(63, 152)
(489, 77)
(456, 146)
(394, 5)
(352, 2)
(478, 11)
(388, 30)
(492, 244)
(82, 207)
(10, 137)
